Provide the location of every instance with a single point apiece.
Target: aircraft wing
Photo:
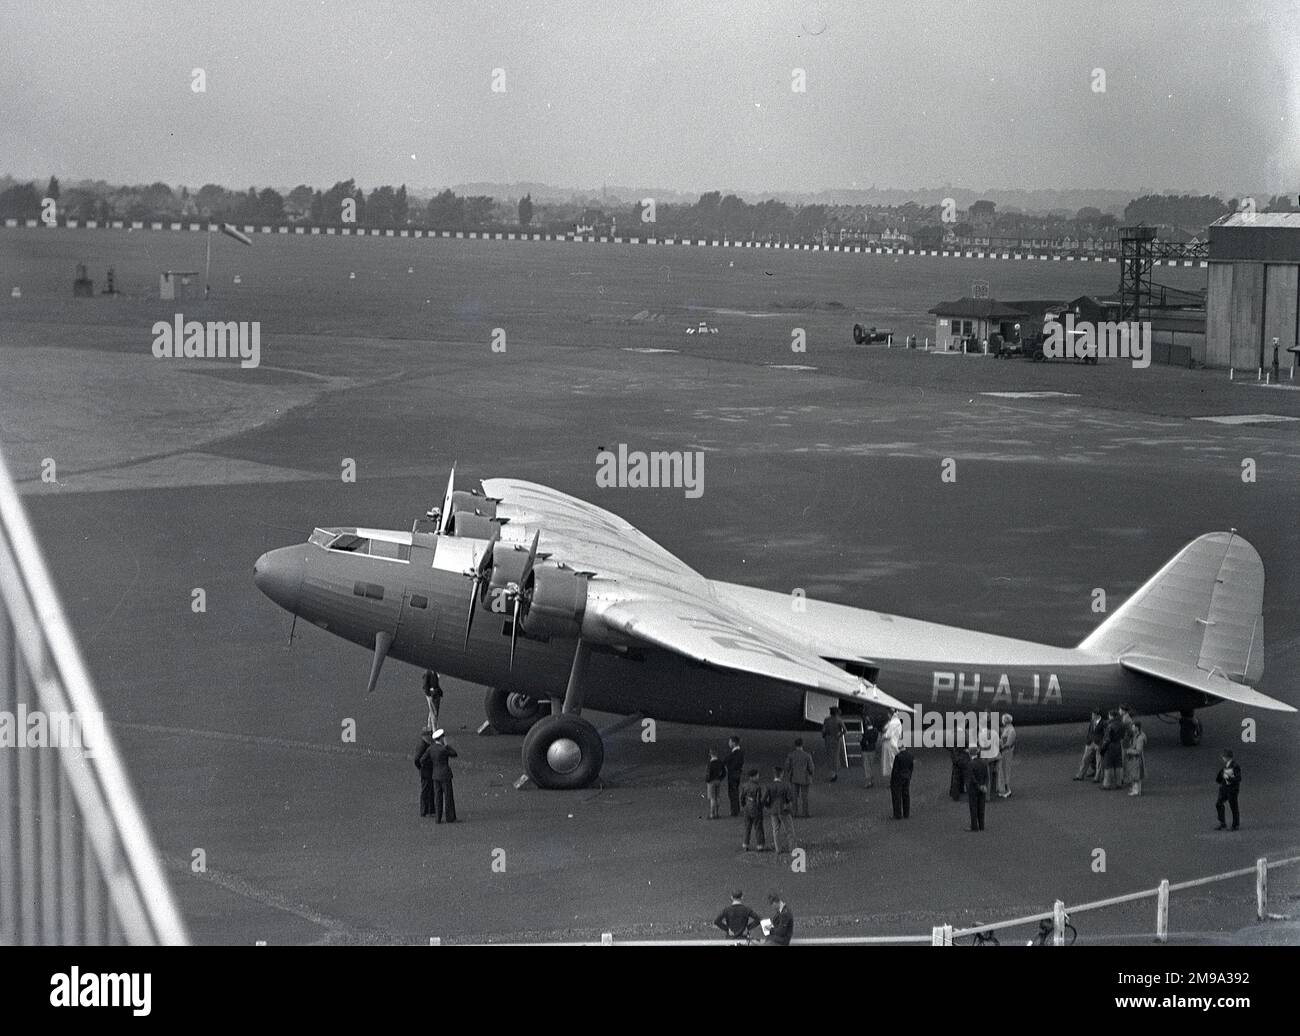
(648, 594)
(1195, 679)
(709, 633)
(589, 538)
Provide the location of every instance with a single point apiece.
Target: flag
(230, 231)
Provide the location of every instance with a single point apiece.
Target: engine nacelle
(559, 599)
(468, 524)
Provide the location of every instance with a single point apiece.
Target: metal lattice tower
(1136, 256)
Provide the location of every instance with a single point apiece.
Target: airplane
(545, 598)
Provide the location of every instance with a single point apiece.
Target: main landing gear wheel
(510, 712)
(563, 752)
(1189, 731)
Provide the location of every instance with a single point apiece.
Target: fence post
(1162, 911)
(1058, 923)
(941, 935)
(607, 938)
(1261, 888)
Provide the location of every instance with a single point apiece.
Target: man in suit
(960, 772)
(782, 922)
(833, 737)
(1090, 764)
(439, 754)
(433, 693)
(426, 779)
(735, 764)
(977, 789)
(900, 783)
(799, 772)
(779, 802)
(1229, 780)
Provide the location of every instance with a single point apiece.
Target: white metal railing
(943, 935)
(77, 863)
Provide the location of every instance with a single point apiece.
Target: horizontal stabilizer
(1199, 680)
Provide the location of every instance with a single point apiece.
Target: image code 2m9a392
(547, 599)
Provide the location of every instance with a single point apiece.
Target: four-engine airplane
(543, 597)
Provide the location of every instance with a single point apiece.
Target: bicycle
(983, 937)
(1046, 928)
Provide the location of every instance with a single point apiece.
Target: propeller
(508, 570)
(481, 573)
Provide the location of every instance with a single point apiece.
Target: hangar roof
(1267, 237)
(967, 308)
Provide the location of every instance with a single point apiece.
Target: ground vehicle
(702, 328)
(1002, 348)
(868, 335)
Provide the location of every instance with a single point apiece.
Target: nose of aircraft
(278, 574)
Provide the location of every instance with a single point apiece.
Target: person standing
(1112, 752)
(833, 738)
(1090, 763)
(1229, 780)
(782, 924)
(433, 693)
(713, 778)
(960, 772)
(751, 807)
(425, 766)
(778, 800)
(737, 920)
(891, 740)
(799, 772)
(1136, 759)
(900, 784)
(1007, 739)
(991, 750)
(735, 765)
(977, 790)
(440, 754)
(869, 743)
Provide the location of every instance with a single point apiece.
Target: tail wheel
(563, 752)
(510, 712)
(858, 335)
(1189, 731)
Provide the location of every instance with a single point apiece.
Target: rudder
(1204, 608)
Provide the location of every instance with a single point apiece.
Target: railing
(77, 863)
(943, 935)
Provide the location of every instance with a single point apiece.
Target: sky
(1199, 95)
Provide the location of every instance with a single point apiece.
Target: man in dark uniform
(737, 920)
(833, 737)
(424, 765)
(799, 772)
(735, 763)
(960, 772)
(1229, 781)
(439, 754)
(900, 784)
(977, 790)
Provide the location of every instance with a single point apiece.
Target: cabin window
(419, 601)
(388, 549)
(374, 591)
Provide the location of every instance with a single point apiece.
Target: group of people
(1114, 751)
(739, 921)
(983, 769)
(764, 805)
(433, 759)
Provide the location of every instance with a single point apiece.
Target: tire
(1189, 731)
(1070, 934)
(858, 336)
(554, 736)
(511, 712)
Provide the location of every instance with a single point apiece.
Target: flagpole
(207, 267)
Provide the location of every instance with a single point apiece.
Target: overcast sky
(1199, 94)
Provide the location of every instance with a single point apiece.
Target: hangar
(1254, 289)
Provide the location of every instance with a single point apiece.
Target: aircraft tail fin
(1202, 611)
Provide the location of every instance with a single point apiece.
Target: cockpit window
(352, 544)
(322, 537)
(388, 549)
